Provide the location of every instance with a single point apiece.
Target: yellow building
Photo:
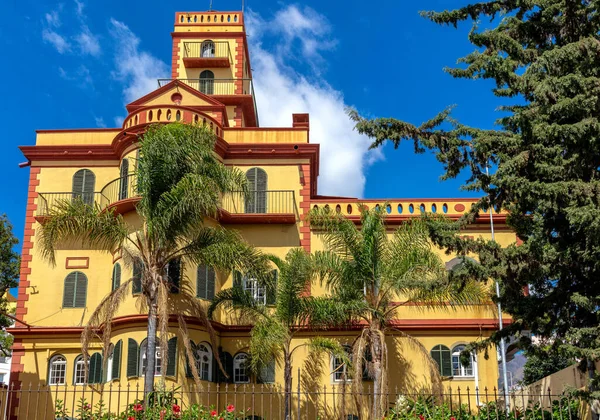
(211, 84)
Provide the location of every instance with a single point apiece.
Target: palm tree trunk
(150, 348)
(377, 372)
(287, 378)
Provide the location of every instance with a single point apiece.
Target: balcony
(122, 196)
(207, 54)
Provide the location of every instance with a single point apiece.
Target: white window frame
(458, 370)
(109, 363)
(339, 369)
(258, 292)
(79, 371)
(240, 371)
(144, 359)
(204, 358)
(57, 362)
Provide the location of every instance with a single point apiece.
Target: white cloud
(119, 121)
(137, 69)
(88, 42)
(53, 19)
(79, 5)
(282, 91)
(100, 122)
(56, 40)
(82, 76)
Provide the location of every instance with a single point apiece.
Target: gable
(172, 93)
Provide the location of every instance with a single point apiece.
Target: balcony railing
(207, 50)
(260, 202)
(120, 191)
(216, 86)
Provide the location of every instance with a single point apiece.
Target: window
(256, 290)
(116, 276)
(75, 291)
(257, 181)
(267, 373)
(457, 368)
(124, 180)
(144, 359)
(79, 374)
(208, 49)
(3, 360)
(340, 368)
(204, 361)
(173, 272)
(57, 371)
(207, 82)
(2, 377)
(136, 285)
(205, 282)
(441, 355)
(240, 369)
(109, 363)
(84, 182)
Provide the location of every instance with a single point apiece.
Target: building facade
(211, 84)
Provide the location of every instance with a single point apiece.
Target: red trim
(84, 262)
(327, 200)
(209, 62)
(75, 130)
(281, 218)
(70, 152)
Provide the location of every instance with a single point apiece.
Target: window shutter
(132, 358)
(124, 181)
(78, 183)
(80, 290)
(261, 191)
(174, 274)
(237, 279)
(201, 282)
(172, 355)
(267, 373)
(188, 367)
(116, 276)
(250, 204)
(116, 364)
(272, 291)
(69, 290)
(95, 370)
(136, 286)
(227, 362)
(210, 283)
(446, 362)
(89, 183)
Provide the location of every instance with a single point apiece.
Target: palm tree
(291, 311)
(180, 183)
(371, 269)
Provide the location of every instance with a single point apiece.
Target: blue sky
(77, 63)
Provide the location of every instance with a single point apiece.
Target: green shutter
(172, 355)
(201, 282)
(237, 279)
(251, 200)
(210, 283)
(124, 180)
(227, 362)
(188, 368)
(174, 274)
(261, 191)
(75, 290)
(69, 290)
(116, 276)
(95, 369)
(116, 364)
(272, 291)
(136, 286)
(132, 358)
(446, 362)
(84, 182)
(267, 373)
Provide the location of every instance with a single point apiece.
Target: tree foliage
(9, 276)
(539, 366)
(544, 57)
(180, 183)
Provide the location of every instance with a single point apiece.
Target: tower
(210, 54)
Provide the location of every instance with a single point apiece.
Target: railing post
(298, 396)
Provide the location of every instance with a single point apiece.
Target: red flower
(213, 413)
(230, 408)
(221, 418)
(421, 417)
(137, 407)
(176, 408)
(452, 418)
(130, 418)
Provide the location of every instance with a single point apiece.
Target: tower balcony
(121, 196)
(207, 54)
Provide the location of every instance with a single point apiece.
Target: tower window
(207, 82)
(84, 182)
(257, 201)
(75, 290)
(207, 49)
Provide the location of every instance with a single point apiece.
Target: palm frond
(238, 299)
(268, 339)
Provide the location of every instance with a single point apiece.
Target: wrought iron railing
(260, 202)
(48, 201)
(216, 86)
(119, 189)
(207, 49)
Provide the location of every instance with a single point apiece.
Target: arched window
(144, 360)
(79, 377)
(204, 361)
(208, 49)
(75, 291)
(457, 368)
(95, 370)
(116, 276)
(441, 355)
(257, 180)
(84, 183)
(205, 282)
(124, 180)
(57, 370)
(339, 367)
(267, 373)
(240, 369)
(207, 82)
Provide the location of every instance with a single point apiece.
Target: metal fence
(207, 49)
(264, 401)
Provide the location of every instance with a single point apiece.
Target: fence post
(298, 396)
